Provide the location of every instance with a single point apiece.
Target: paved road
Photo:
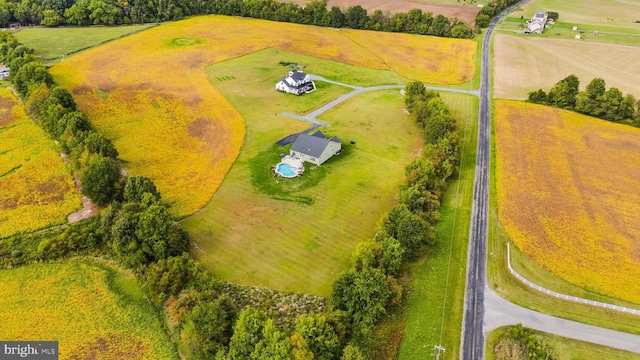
(500, 312)
(472, 345)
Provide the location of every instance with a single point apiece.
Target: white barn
(315, 148)
(297, 82)
(4, 72)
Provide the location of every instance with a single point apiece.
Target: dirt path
(89, 209)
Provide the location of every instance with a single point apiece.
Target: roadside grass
(90, 308)
(543, 62)
(507, 286)
(412, 331)
(562, 347)
(36, 188)
(593, 12)
(298, 234)
(50, 43)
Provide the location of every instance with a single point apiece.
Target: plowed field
(567, 188)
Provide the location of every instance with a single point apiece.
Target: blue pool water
(285, 170)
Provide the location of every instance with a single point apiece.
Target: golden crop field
(527, 64)
(92, 311)
(36, 189)
(567, 189)
(150, 94)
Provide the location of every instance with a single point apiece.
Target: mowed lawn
(59, 41)
(150, 95)
(93, 311)
(525, 64)
(567, 195)
(298, 234)
(36, 188)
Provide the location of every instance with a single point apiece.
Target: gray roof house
(315, 148)
(536, 23)
(297, 83)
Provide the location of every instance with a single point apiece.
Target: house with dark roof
(315, 148)
(296, 82)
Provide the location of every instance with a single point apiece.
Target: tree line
(596, 100)
(115, 12)
(372, 285)
(491, 10)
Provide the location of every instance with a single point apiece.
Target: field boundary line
(563, 296)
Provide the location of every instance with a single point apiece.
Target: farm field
(566, 195)
(92, 311)
(298, 234)
(36, 189)
(448, 8)
(564, 348)
(543, 62)
(593, 12)
(58, 41)
(169, 116)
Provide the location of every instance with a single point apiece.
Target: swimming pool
(285, 170)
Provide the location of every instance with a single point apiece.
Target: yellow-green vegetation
(418, 324)
(150, 95)
(36, 188)
(94, 311)
(562, 348)
(566, 195)
(541, 62)
(50, 43)
(298, 234)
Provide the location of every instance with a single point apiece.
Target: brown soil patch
(6, 115)
(464, 12)
(111, 347)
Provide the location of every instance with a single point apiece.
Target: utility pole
(437, 350)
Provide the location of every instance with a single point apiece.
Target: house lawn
(298, 234)
(53, 42)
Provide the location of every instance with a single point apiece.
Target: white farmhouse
(536, 24)
(4, 72)
(315, 148)
(297, 82)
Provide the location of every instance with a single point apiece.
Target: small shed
(577, 37)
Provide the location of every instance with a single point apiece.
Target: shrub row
(491, 10)
(364, 293)
(594, 101)
(111, 12)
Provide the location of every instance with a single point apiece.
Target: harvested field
(567, 189)
(36, 189)
(523, 65)
(464, 12)
(145, 91)
(93, 312)
(622, 13)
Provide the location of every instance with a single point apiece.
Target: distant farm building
(315, 148)
(296, 83)
(536, 24)
(14, 25)
(4, 72)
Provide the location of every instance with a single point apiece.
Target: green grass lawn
(88, 307)
(513, 290)
(419, 324)
(53, 42)
(564, 348)
(298, 234)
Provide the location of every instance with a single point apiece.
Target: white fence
(563, 296)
